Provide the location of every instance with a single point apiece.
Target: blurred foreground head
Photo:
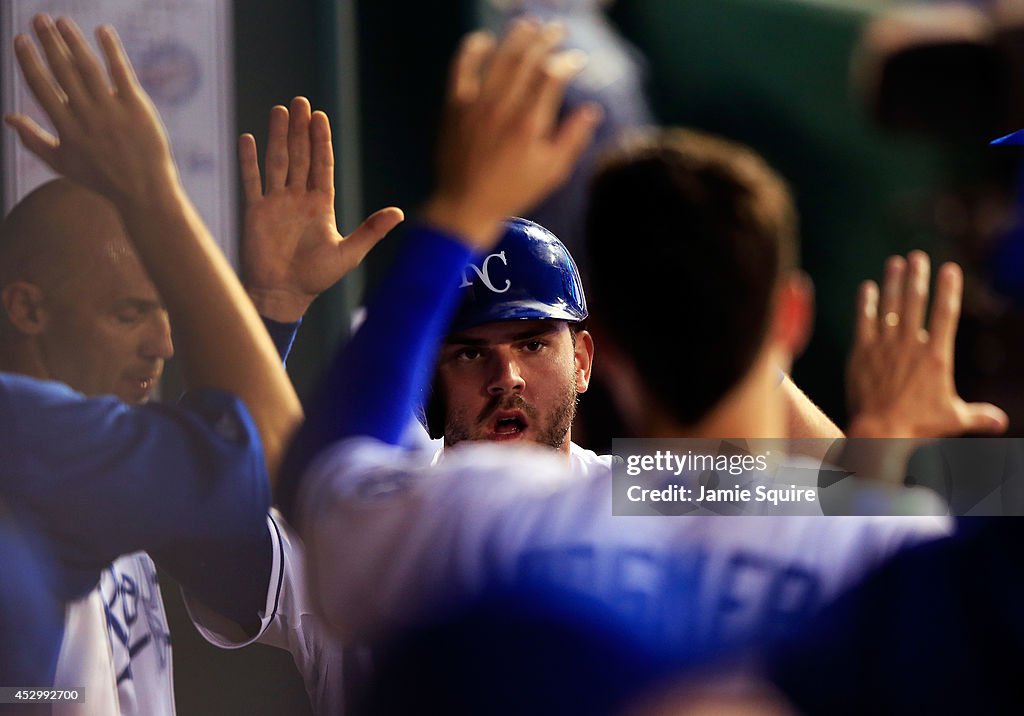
(693, 242)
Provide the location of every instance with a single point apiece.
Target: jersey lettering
(682, 596)
(127, 596)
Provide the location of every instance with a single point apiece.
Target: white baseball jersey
(388, 538)
(117, 645)
(84, 659)
(583, 463)
(288, 622)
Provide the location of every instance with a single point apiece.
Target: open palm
(292, 250)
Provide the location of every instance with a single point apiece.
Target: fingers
(50, 97)
(892, 295)
(575, 135)
(249, 166)
(298, 143)
(946, 309)
(120, 69)
(277, 149)
(915, 294)
(985, 418)
(866, 330)
(321, 175)
(541, 111)
(464, 82)
(299, 153)
(508, 56)
(93, 77)
(535, 59)
(58, 56)
(36, 139)
(371, 231)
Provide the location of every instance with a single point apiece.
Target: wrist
(159, 193)
(477, 229)
(877, 426)
(279, 305)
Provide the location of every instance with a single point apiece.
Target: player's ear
(584, 352)
(794, 313)
(23, 305)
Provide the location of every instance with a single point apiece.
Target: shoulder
(587, 463)
(363, 469)
(18, 390)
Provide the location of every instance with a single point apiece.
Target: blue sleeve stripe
(282, 334)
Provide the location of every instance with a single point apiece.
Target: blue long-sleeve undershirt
(282, 334)
(377, 381)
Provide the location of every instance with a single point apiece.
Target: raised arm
(110, 139)
(291, 248)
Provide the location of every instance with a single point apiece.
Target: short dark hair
(688, 235)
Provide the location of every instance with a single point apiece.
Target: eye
(128, 315)
(467, 354)
(534, 346)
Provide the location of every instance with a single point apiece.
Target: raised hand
(109, 136)
(502, 147)
(291, 248)
(900, 375)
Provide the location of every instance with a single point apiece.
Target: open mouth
(143, 385)
(508, 425)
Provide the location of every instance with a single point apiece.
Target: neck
(751, 409)
(20, 358)
(564, 450)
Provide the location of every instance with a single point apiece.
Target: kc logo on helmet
(484, 274)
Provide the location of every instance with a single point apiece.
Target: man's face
(513, 381)
(107, 331)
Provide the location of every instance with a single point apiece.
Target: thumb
(985, 418)
(36, 139)
(372, 230)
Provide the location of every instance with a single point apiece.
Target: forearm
(222, 341)
(378, 380)
(804, 418)
(231, 578)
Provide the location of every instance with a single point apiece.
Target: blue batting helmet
(529, 274)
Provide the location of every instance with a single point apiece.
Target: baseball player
(389, 538)
(109, 334)
(95, 478)
(291, 252)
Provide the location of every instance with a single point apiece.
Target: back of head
(688, 235)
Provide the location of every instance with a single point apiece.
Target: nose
(506, 377)
(157, 341)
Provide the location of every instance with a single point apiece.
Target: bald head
(77, 305)
(57, 233)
